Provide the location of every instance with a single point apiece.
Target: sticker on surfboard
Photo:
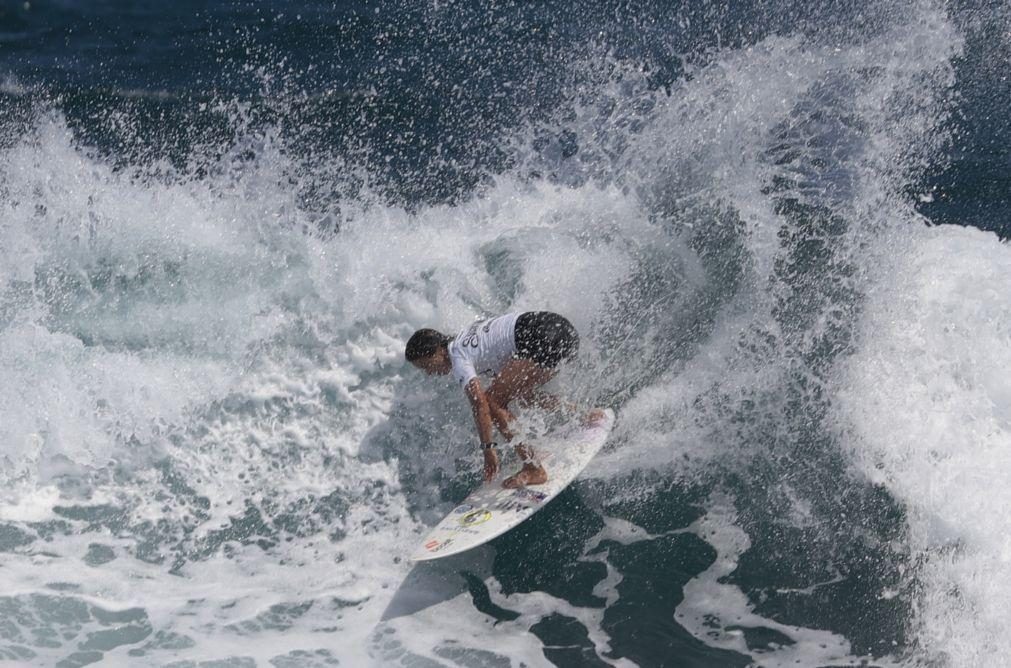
(491, 509)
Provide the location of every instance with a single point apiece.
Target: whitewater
(213, 453)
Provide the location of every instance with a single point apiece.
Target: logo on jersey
(471, 339)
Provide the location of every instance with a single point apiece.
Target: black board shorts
(546, 338)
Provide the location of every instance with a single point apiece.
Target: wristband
(489, 446)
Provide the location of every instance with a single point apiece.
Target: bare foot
(593, 416)
(530, 474)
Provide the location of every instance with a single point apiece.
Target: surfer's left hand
(490, 464)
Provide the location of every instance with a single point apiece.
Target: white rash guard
(483, 348)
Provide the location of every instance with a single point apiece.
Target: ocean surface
(779, 227)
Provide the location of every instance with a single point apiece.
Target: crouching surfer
(522, 352)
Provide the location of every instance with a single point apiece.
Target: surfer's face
(437, 364)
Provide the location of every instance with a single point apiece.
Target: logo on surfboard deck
(478, 516)
(531, 494)
(463, 508)
(518, 500)
(436, 545)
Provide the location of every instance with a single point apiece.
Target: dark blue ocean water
(214, 241)
(430, 90)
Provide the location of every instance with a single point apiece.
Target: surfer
(522, 351)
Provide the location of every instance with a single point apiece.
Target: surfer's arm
(481, 409)
(482, 418)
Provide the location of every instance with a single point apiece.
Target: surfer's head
(428, 350)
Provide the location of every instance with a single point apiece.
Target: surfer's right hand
(490, 464)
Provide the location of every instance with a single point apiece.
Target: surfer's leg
(501, 417)
(546, 339)
(549, 402)
(517, 381)
(534, 396)
(530, 474)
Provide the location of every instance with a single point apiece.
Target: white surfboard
(491, 510)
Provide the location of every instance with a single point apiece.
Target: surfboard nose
(491, 509)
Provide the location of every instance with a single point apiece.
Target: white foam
(32, 506)
(925, 407)
(713, 610)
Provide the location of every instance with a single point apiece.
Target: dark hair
(423, 343)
